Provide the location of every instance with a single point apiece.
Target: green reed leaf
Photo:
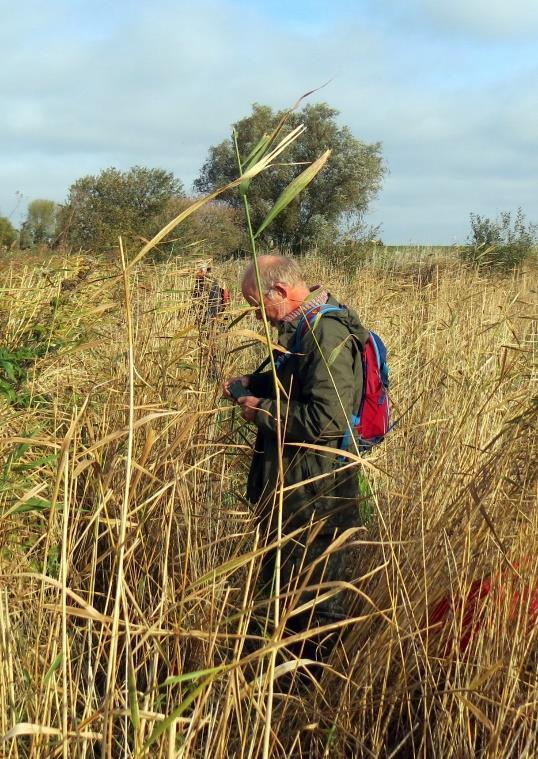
(295, 187)
(53, 667)
(189, 676)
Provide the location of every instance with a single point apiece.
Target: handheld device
(238, 390)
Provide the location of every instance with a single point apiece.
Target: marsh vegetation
(129, 558)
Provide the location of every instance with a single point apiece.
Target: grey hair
(275, 270)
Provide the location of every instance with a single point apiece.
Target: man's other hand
(249, 406)
(244, 380)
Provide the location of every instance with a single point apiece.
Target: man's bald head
(282, 286)
(274, 270)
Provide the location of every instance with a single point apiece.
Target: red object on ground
(469, 613)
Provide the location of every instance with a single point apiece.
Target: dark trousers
(306, 562)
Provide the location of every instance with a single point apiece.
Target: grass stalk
(280, 494)
(111, 669)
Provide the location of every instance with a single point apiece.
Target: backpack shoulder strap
(309, 321)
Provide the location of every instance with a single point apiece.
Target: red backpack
(372, 421)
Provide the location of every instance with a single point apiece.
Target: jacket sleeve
(328, 387)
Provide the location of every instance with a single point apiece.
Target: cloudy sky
(450, 87)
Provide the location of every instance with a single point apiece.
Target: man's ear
(281, 289)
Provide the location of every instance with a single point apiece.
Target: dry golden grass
(137, 567)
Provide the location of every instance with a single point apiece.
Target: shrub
(350, 253)
(502, 243)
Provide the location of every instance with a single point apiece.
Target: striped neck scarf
(318, 297)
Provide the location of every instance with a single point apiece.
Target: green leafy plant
(36, 340)
(13, 372)
(351, 253)
(366, 502)
(17, 473)
(216, 231)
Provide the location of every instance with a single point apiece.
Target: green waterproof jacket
(322, 388)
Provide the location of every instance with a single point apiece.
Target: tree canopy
(128, 203)
(341, 192)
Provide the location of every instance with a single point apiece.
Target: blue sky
(449, 88)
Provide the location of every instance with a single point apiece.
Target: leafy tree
(8, 233)
(502, 243)
(39, 228)
(340, 193)
(101, 208)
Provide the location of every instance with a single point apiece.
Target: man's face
(275, 307)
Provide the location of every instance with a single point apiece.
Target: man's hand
(249, 407)
(244, 380)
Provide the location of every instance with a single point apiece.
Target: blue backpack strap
(347, 436)
(310, 319)
(281, 359)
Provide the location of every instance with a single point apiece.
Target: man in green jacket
(321, 386)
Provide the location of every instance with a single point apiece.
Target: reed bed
(129, 558)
